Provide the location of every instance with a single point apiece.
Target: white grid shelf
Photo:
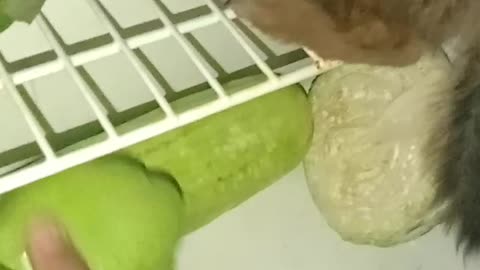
(17, 74)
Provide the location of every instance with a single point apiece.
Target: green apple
(119, 215)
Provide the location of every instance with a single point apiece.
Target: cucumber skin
(224, 159)
(114, 211)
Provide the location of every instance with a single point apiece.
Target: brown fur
(398, 32)
(392, 32)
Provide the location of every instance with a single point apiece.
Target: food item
(222, 160)
(124, 216)
(366, 170)
(18, 10)
(118, 214)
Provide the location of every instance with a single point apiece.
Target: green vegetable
(222, 160)
(5, 21)
(226, 158)
(123, 216)
(119, 215)
(18, 10)
(367, 169)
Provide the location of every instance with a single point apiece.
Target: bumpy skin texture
(224, 159)
(397, 32)
(118, 215)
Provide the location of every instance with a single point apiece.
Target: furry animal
(397, 33)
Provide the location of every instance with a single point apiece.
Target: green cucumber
(119, 215)
(224, 159)
(121, 210)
